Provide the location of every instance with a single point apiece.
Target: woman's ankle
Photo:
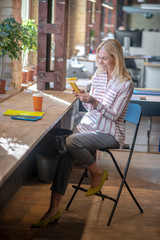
(96, 179)
(50, 213)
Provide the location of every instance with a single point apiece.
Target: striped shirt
(108, 117)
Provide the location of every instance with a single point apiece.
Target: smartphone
(74, 86)
(27, 118)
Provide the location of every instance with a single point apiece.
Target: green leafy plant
(10, 40)
(29, 39)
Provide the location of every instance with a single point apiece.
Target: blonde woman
(101, 127)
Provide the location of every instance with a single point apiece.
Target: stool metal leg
(122, 176)
(121, 186)
(75, 192)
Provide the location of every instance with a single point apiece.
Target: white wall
(150, 44)
(141, 22)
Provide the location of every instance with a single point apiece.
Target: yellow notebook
(10, 112)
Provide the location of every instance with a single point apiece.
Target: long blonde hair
(114, 48)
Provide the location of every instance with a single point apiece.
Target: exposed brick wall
(76, 25)
(17, 65)
(110, 20)
(34, 10)
(16, 10)
(94, 27)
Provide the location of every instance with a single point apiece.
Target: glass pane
(52, 58)
(51, 37)
(92, 33)
(93, 13)
(50, 52)
(51, 11)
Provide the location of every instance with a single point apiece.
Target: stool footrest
(99, 194)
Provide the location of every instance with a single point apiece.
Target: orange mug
(37, 101)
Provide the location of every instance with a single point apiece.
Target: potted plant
(10, 43)
(29, 43)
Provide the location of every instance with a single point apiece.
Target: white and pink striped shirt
(108, 117)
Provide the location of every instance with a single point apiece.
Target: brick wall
(34, 10)
(93, 26)
(76, 25)
(110, 19)
(17, 65)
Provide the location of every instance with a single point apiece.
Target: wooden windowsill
(8, 94)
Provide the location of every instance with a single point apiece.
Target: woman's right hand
(78, 94)
(74, 93)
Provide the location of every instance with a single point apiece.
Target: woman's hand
(77, 94)
(74, 93)
(86, 98)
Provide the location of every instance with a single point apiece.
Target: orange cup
(37, 102)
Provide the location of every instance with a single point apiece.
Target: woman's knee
(72, 141)
(69, 141)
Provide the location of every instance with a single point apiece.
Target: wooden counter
(152, 64)
(136, 57)
(7, 95)
(17, 137)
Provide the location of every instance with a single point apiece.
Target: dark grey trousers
(80, 147)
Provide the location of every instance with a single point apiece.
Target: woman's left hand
(86, 98)
(83, 96)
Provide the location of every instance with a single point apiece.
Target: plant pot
(2, 86)
(24, 76)
(30, 75)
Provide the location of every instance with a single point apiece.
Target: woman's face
(106, 61)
